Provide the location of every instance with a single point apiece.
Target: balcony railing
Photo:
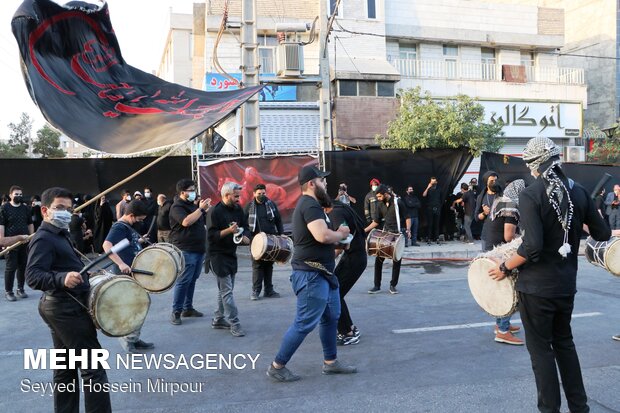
(452, 69)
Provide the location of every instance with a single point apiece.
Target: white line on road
(473, 325)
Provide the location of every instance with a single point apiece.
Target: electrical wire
(216, 63)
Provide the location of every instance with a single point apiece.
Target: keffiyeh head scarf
(507, 205)
(542, 155)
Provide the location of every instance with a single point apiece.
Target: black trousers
(432, 217)
(72, 328)
(349, 270)
(379, 270)
(262, 273)
(15, 263)
(549, 341)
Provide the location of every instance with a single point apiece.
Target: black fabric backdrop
(511, 168)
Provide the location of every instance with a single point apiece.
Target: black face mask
(496, 188)
(261, 198)
(18, 199)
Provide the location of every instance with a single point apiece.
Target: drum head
(119, 306)
(259, 245)
(612, 256)
(162, 263)
(498, 298)
(176, 253)
(399, 248)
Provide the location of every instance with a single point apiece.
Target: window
(487, 58)
(450, 57)
(266, 57)
(367, 88)
(348, 87)
(332, 7)
(407, 51)
(450, 50)
(371, 8)
(385, 89)
(527, 58)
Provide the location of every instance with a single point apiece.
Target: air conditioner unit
(574, 154)
(290, 60)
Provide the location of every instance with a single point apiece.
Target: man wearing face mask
(123, 229)
(432, 194)
(122, 204)
(15, 219)
(262, 215)
(226, 228)
(484, 204)
(103, 222)
(413, 210)
(150, 222)
(53, 267)
(388, 213)
(370, 201)
(187, 233)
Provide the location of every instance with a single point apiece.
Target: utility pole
(324, 96)
(249, 69)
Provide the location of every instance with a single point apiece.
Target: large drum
(604, 254)
(267, 247)
(117, 304)
(164, 261)
(385, 244)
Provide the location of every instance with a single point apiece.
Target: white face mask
(61, 219)
(191, 196)
(128, 198)
(147, 194)
(374, 187)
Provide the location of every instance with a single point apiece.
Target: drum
(385, 244)
(267, 247)
(498, 298)
(604, 254)
(117, 304)
(164, 261)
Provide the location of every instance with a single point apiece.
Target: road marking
(473, 325)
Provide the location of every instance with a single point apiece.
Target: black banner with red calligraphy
(75, 73)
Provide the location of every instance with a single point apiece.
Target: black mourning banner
(75, 73)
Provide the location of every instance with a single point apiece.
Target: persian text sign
(523, 119)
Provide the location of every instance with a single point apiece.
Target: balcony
(464, 70)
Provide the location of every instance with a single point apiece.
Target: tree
(605, 149)
(423, 122)
(19, 138)
(48, 143)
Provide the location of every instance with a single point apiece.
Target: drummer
(262, 215)
(135, 212)
(53, 267)
(386, 213)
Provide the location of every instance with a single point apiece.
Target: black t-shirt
(15, 219)
(192, 238)
(387, 214)
(223, 250)
(344, 214)
(495, 231)
(306, 247)
(469, 203)
(433, 197)
(163, 216)
(120, 231)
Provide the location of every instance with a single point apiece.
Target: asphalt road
(446, 361)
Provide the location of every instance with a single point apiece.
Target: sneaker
(393, 290)
(192, 312)
(415, 244)
(21, 294)
(282, 374)
(343, 340)
(10, 296)
(254, 296)
(616, 337)
(272, 294)
(237, 331)
(508, 338)
(374, 290)
(356, 331)
(175, 318)
(513, 329)
(337, 368)
(143, 345)
(220, 324)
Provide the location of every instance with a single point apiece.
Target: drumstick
(115, 248)
(145, 272)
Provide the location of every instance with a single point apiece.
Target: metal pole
(324, 96)
(249, 70)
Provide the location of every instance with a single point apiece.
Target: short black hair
(48, 196)
(259, 186)
(136, 208)
(382, 189)
(183, 184)
(464, 186)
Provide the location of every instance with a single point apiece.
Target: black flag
(75, 73)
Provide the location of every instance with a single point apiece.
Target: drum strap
(397, 212)
(78, 301)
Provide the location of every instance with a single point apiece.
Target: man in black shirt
(53, 267)
(15, 219)
(468, 201)
(392, 212)
(484, 204)
(350, 267)
(226, 228)
(163, 218)
(370, 201)
(262, 215)
(413, 210)
(188, 234)
(313, 280)
(547, 262)
(432, 193)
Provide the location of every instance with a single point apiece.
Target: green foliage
(19, 138)
(48, 143)
(423, 122)
(605, 150)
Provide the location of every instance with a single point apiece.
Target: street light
(609, 132)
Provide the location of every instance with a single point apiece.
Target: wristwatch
(502, 268)
(203, 210)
